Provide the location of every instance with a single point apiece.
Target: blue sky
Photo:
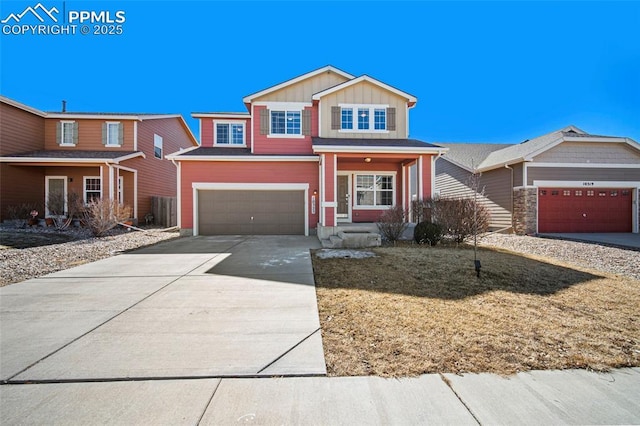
(482, 71)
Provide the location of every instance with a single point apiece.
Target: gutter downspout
(178, 193)
(511, 190)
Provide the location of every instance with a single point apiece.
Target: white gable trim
(249, 98)
(22, 106)
(407, 96)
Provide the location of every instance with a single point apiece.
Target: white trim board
(208, 186)
(584, 184)
(584, 165)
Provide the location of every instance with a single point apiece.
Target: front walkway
(199, 307)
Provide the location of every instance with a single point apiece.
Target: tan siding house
(564, 181)
(114, 156)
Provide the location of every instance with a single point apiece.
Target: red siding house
(309, 156)
(115, 155)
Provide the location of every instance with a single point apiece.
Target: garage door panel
(584, 210)
(251, 212)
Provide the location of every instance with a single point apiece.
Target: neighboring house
(564, 181)
(95, 155)
(310, 154)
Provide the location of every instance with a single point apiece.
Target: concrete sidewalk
(538, 397)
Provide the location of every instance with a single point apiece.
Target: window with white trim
(157, 146)
(67, 129)
(92, 188)
(286, 122)
(363, 118)
(374, 190)
(113, 134)
(229, 134)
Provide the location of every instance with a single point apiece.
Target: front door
(343, 197)
(56, 196)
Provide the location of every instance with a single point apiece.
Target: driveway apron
(198, 307)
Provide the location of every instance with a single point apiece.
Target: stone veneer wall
(525, 210)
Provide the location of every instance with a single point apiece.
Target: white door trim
(46, 193)
(349, 214)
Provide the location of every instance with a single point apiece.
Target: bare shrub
(392, 223)
(102, 215)
(20, 212)
(456, 216)
(422, 210)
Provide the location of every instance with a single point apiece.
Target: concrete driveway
(619, 239)
(198, 307)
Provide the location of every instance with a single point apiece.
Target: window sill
(284, 136)
(361, 131)
(67, 144)
(112, 146)
(229, 145)
(372, 207)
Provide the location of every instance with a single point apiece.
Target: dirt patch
(415, 310)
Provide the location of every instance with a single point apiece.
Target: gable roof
(249, 98)
(491, 156)
(410, 98)
(22, 106)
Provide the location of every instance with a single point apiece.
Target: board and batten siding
(20, 131)
(89, 135)
(367, 94)
(588, 152)
(302, 91)
(495, 190)
(581, 174)
(247, 173)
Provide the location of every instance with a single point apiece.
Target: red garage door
(584, 210)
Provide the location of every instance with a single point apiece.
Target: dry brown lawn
(416, 310)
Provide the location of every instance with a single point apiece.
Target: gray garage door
(246, 212)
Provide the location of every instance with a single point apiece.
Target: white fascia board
(586, 139)
(407, 96)
(57, 160)
(174, 155)
(377, 149)
(130, 156)
(583, 184)
(22, 106)
(585, 165)
(245, 158)
(502, 165)
(284, 105)
(249, 98)
(158, 116)
(223, 115)
(249, 186)
(65, 116)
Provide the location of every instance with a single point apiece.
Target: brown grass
(416, 310)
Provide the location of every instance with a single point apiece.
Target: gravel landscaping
(19, 264)
(593, 256)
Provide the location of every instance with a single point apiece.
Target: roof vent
(524, 141)
(64, 106)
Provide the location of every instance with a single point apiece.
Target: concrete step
(359, 239)
(332, 242)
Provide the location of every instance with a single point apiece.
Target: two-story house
(114, 155)
(310, 154)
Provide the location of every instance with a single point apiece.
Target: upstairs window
(363, 118)
(157, 146)
(286, 122)
(112, 134)
(229, 134)
(67, 133)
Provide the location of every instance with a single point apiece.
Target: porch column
(329, 205)
(106, 181)
(425, 176)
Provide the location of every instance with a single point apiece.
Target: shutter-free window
(391, 119)
(335, 118)
(264, 121)
(306, 122)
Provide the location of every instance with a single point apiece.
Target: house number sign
(588, 184)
